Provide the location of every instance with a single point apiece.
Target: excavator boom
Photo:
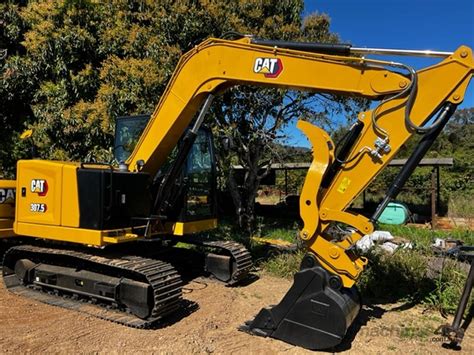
(217, 64)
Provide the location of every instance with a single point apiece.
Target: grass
(461, 205)
(285, 234)
(402, 276)
(424, 237)
(415, 331)
(283, 265)
(405, 274)
(448, 288)
(277, 228)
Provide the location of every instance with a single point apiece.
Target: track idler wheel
(315, 313)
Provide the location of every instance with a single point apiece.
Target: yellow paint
(360, 222)
(182, 228)
(65, 234)
(322, 156)
(127, 237)
(278, 242)
(7, 204)
(343, 185)
(26, 134)
(7, 184)
(200, 72)
(90, 237)
(436, 84)
(7, 208)
(58, 204)
(70, 215)
(33, 206)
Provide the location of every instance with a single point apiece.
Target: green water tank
(395, 213)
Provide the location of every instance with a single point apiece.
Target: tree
(253, 119)
(75, 65)
(457, 183)
(14, 93)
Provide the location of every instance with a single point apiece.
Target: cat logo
(39, 186)
(269, 67)
(7, 195)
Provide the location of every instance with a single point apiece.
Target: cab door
(200, 177)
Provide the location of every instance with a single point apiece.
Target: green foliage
(423, 238)
(254, 118)
(391, 277)
(461, 204)
(74, 66)
(457, 183)
(283, 265)
(406, 275)
(277, 228)
(448, 288)
(288, 235)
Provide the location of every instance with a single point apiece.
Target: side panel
(39, 192)
(69, 197)
(112, 199)
(64, 234)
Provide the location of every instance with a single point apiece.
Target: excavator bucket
(315, 313)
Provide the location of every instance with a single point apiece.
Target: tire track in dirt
(29, 326)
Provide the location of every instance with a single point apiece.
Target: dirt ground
(211, 326)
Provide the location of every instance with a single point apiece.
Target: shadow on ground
(367, 313)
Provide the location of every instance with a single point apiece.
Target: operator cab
(195, 196)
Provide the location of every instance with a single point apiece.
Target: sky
(441, 25)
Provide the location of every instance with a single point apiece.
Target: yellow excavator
(93, 232)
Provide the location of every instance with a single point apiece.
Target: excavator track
(242, 259)
(231, 265)
(157, 282)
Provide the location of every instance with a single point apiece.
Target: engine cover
(109, 199)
